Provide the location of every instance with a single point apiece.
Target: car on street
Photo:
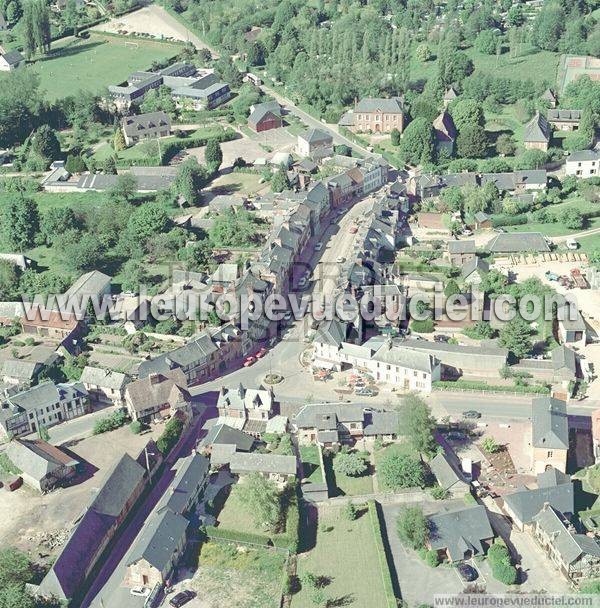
(248, 361)
(353, 229)
(181, 598)
(261, 353)
(340, 259)
(473, 414)
(140, 591)
(467, 573)
(364, 392)
(551, 276)
(319, 246)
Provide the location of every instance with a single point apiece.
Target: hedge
(170, 149)
(170, 436)
(447, 385)
(386, 577)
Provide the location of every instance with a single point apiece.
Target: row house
(584, 163)
(104, 385)
(246, 409)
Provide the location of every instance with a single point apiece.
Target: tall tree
(417, 424)
(20, 223)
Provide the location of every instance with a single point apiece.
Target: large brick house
(265, 116)
(376, 115)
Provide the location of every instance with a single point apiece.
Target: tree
(350, 511)
(15, 567)
(191, 178)
(147, 221)
(36, 27)
(412, 527)
(9, 281)
(482, 330)
(472, 141)
(418, 425)
(416, 146)
(119, 141)
(75, 164)
(490, 445)
(572, 219)
(213, 155)
(125, 187)
(423, 53)
(16, 596)
(20, 223)
(80, 252)
(400, 470)
(280, 181)
(55, 221)
(548, 26)
(198, 256)
(501, 564)
(395, 137)
(494, 283)
(515, 336)
(487, 42)
(451, 288)
(133, 275)
(45, 143)
(170, 436)
(350, 463)
(467, 112)
(505, 144)
(261, 498)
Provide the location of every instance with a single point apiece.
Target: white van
(572, 244)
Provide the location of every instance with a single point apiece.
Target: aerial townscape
(299, 303)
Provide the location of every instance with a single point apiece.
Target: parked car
(181, 598)
(441, 338)
(551, 276)
(340, 259)
(261, 353)
(456, 436)
(471, 414)
(572, 244)
(319, 246)
(353, 229)
(364, 392)
(467, 573)
(140, 591)
(248, 361)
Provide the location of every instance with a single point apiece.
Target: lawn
(239, 182)
(590, 487)
(248, 578)
(95, 62)
(591, 243)
(309, 454)
(344, 485)
(348, 554)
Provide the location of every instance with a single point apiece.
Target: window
(550, 453)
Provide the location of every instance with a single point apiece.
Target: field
(572, 67)
(241, 577)
(346, 554)
(93, 63)
(309, 455)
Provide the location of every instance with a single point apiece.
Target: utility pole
(148, 454)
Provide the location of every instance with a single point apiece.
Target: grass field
(309, 454)
(346, 552)
(93, 63)
(249, 578)
(344, 485)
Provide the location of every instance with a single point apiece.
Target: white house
(585, 163)
(10, 60)
(315, 142)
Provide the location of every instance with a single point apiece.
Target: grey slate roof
(312, 415)
(570, 546)
(394, 353)
(517, 242)
(473, 265)
(191, 473)
(564, 358)
(46, 394)
(552, 489)
(373, 104)
(446, 473)
(37, 458)
(537, 130)
(460, 531)
(332, 332)
(583, 155)
(314, 136)
(159, 539)
(381, 423)
(244, 462)
(225, 434)
(549, 423)
(92, 283)
(461, 246)
(20, 370)
(559, 115)
(133, 125)
(481, 216)
(13, 57)
(262, 109)
(104, 378)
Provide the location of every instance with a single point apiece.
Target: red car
(249, 361)
(353, 229)
(261, 353)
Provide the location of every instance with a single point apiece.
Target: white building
(10, 60)
(585, 163)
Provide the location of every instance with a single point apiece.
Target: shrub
(432, 558)
(170, 436)
(422, 327)
(439, 493)
(136, 427)
(110, 423)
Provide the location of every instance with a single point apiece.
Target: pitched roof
(559, 115)
(332, 332)
(37, 458)
(552, 489)
(445, 472)
(380, 423)
(104, 378)
(254, 462)
(564, 358)
(21, 370)
(46, 394)
(549, 422)
(583, 156)
(474, 264)
(158, 389)
(133, 125)
(191, 473)
(93, 283)
(391, 352)
(461, 247)
(12, 57)
(516, 242)
(445, 130)
(549, 95)
(313, 415)
(374, 104)
(314, 136)
(460, 531)
(225, 434)
(260, 110)
(450, 94)
(537, 130)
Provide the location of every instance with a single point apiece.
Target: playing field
(93, 63)
(572, 67)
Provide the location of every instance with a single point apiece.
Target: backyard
(349, 557)
(230, 575)
(309, 455)
(93, 63)
(347, 485)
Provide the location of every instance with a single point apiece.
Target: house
(564, 364)
(331, 425)
(376, 115)
(18, 259)
(554, 488)
(91, 285)
(51, 324)
(550, 434)
(101, 520)
(461, 252)
(445, 133)
(203, 94)
(246, 409)
(517, 182)
(42, 466)
(21, 373)
(571, 326)
(448, 474)
(42, 406)
(474, 271)
(482, 221)
(460, 534)
(265, 116)
(157, 395)
(518, 242)
(315, 143)
(104, 385)
(449, 96)
(151, 125)
(276, 467)
(10, 60)
(550, 97)
(222, 437)
(537, 133)
(575, 556)
(157, 550)
(585, 163)
(564, 120)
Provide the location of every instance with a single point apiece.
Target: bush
(136, 427)
(110, 423)
(501, 564)
(432, 558)
(422, 327)
(439, 493)
(170, 435)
